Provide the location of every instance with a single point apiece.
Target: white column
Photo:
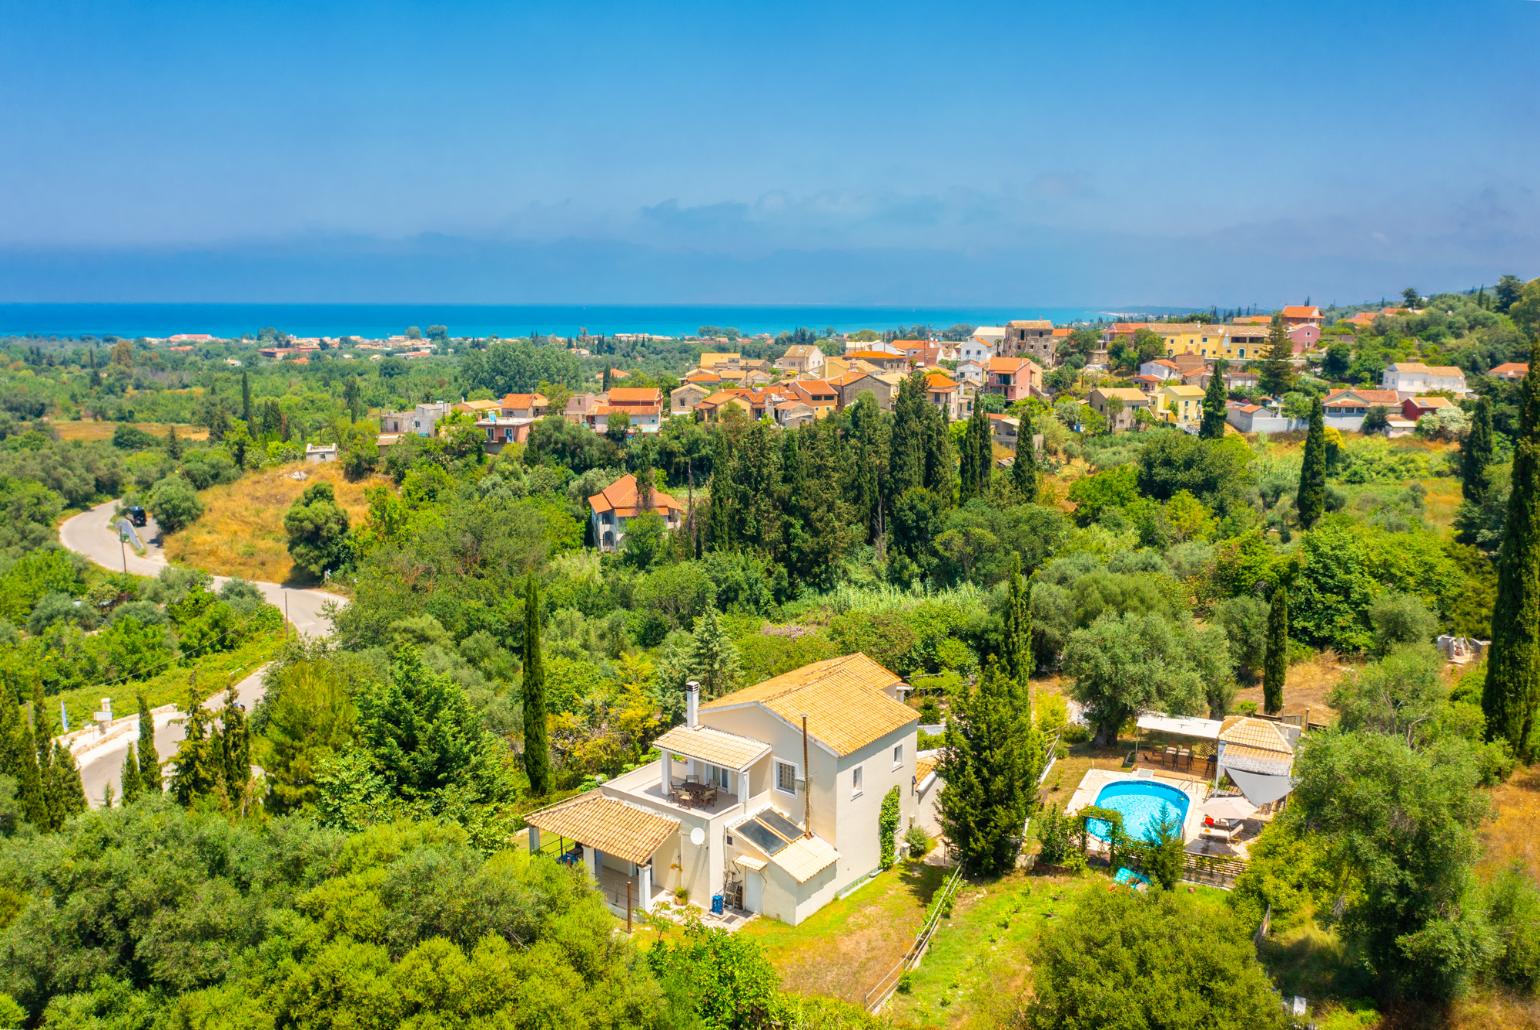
(591, 860)
(667, 765)
(644, 881)
(534, 840)
(743, 786)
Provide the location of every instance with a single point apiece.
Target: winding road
(99, 754)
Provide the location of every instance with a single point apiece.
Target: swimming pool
(1145, 804)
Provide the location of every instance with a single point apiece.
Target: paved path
(92, 535)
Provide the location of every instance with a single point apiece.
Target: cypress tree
(173, 445)
(1214, 397)
(1024, 469)
(714, 657)
(1512, 687)
(1275, 661)
(537, 747)
(1311, 500)
(131, 783)
(246, 397)
(66, 793)
(1277, 372)
(18, 759)
(149, 757)
(197, 767)
(908, 446)
(990, 765)
(977, 458)
(1016, 640)
(233, 749)
(1476, 453)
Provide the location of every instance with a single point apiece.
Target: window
(855, 782)
(716, 776)
(898, 755)
(785, 777)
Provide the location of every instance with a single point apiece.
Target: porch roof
(608, 824)
(717, 747)
(806, 857)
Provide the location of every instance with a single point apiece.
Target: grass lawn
(844, 948)
(215, 673)
(241, 532)
(977, 970)
(1510, 836)
(90, 429)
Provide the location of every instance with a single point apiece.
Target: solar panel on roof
(780, 824)
(761, 835)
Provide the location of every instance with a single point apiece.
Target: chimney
(692, 704)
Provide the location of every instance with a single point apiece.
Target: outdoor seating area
(692, 793)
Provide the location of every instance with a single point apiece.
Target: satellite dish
(697, 836)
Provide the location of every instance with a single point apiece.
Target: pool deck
(1196, 790)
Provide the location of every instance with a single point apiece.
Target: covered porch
(619, 844)
(705, 768)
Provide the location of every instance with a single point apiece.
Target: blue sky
(1072, 153)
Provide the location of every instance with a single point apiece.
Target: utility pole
(288, 625)
(123, 547)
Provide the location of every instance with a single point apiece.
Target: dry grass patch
(844, 948)
(241, 532)
(1308, 686)
(1510, 836)
(90, 429)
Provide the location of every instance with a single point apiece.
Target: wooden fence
(884, 987)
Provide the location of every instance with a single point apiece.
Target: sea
(132, 321)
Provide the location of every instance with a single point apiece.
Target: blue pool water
(1144, 804)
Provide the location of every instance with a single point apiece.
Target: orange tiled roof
(1007, 366)
(1301, 311)
(939, 382)
(622, 498)
(615, 827)
(844, 699)
(628, 395)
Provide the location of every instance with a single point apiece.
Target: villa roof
(940, 382)
(923, 767)
(524, 400)
(1361, 398)
(844, 699)
(1031, 323)
(1301, 311)
(1008, 365)
(1511, 370)
(729, 750)
(624, 499)
(609, 824)
(628, 395)
(1435, 370)
(1243, 730)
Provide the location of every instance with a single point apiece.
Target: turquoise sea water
(377, 320)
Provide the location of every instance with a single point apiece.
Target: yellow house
(1207, 341)
(1180, 402)
(711, 359)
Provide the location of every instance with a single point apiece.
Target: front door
(753, 890)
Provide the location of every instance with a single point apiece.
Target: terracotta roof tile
(609, 824)
(843, 698)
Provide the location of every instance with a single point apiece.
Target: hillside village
(809, 679)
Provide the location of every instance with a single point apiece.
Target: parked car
(136, 514)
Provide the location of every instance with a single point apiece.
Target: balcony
(645, 786)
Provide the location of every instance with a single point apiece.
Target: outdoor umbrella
(1232, 807)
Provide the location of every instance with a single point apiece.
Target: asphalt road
(91, 534)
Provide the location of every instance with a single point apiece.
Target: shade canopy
(1233, 806)
(1261, 788)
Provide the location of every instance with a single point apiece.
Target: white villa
(767, 797)
(1409, 378)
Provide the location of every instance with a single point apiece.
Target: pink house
(1016, 378)
(1305, 335)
